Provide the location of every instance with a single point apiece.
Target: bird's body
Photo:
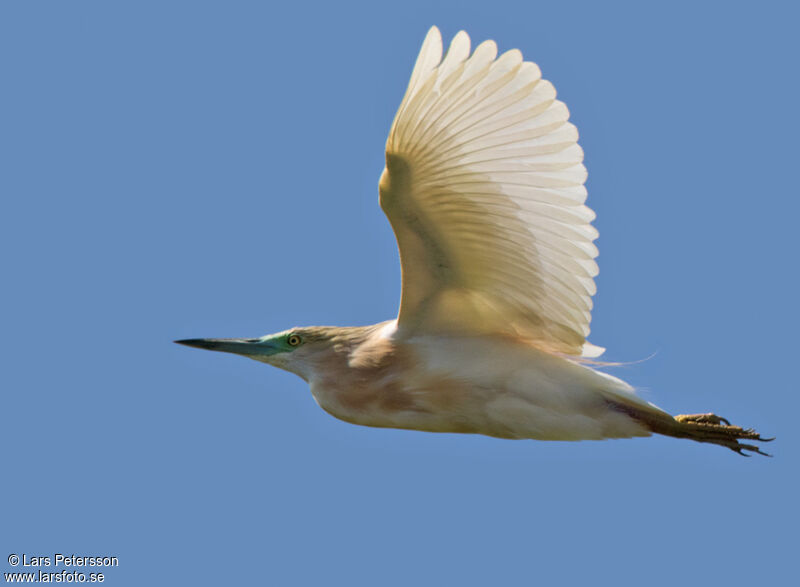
(483, 187)
(495, 386)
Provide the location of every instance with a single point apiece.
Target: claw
(740, 448)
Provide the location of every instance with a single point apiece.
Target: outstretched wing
(484, 189)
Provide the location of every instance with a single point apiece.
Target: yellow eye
(293, 340)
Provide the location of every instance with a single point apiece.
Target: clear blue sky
(180, 169)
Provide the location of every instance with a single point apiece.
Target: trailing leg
(698, 427)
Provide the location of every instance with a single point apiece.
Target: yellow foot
(702, 419)
(717, 430)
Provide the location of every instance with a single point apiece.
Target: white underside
(489, 386)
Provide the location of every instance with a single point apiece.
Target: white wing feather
(484, 189)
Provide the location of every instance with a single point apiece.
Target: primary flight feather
(483, 187)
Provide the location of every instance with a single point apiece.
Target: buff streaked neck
(326, 349)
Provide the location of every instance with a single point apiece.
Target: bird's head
(302, 351)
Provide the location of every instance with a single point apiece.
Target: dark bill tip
(240, 346)
(200, 343)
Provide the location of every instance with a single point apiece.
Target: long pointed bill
(249, 347)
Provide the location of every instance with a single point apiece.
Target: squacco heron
(483, 186)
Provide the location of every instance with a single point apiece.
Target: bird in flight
(483, 186)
